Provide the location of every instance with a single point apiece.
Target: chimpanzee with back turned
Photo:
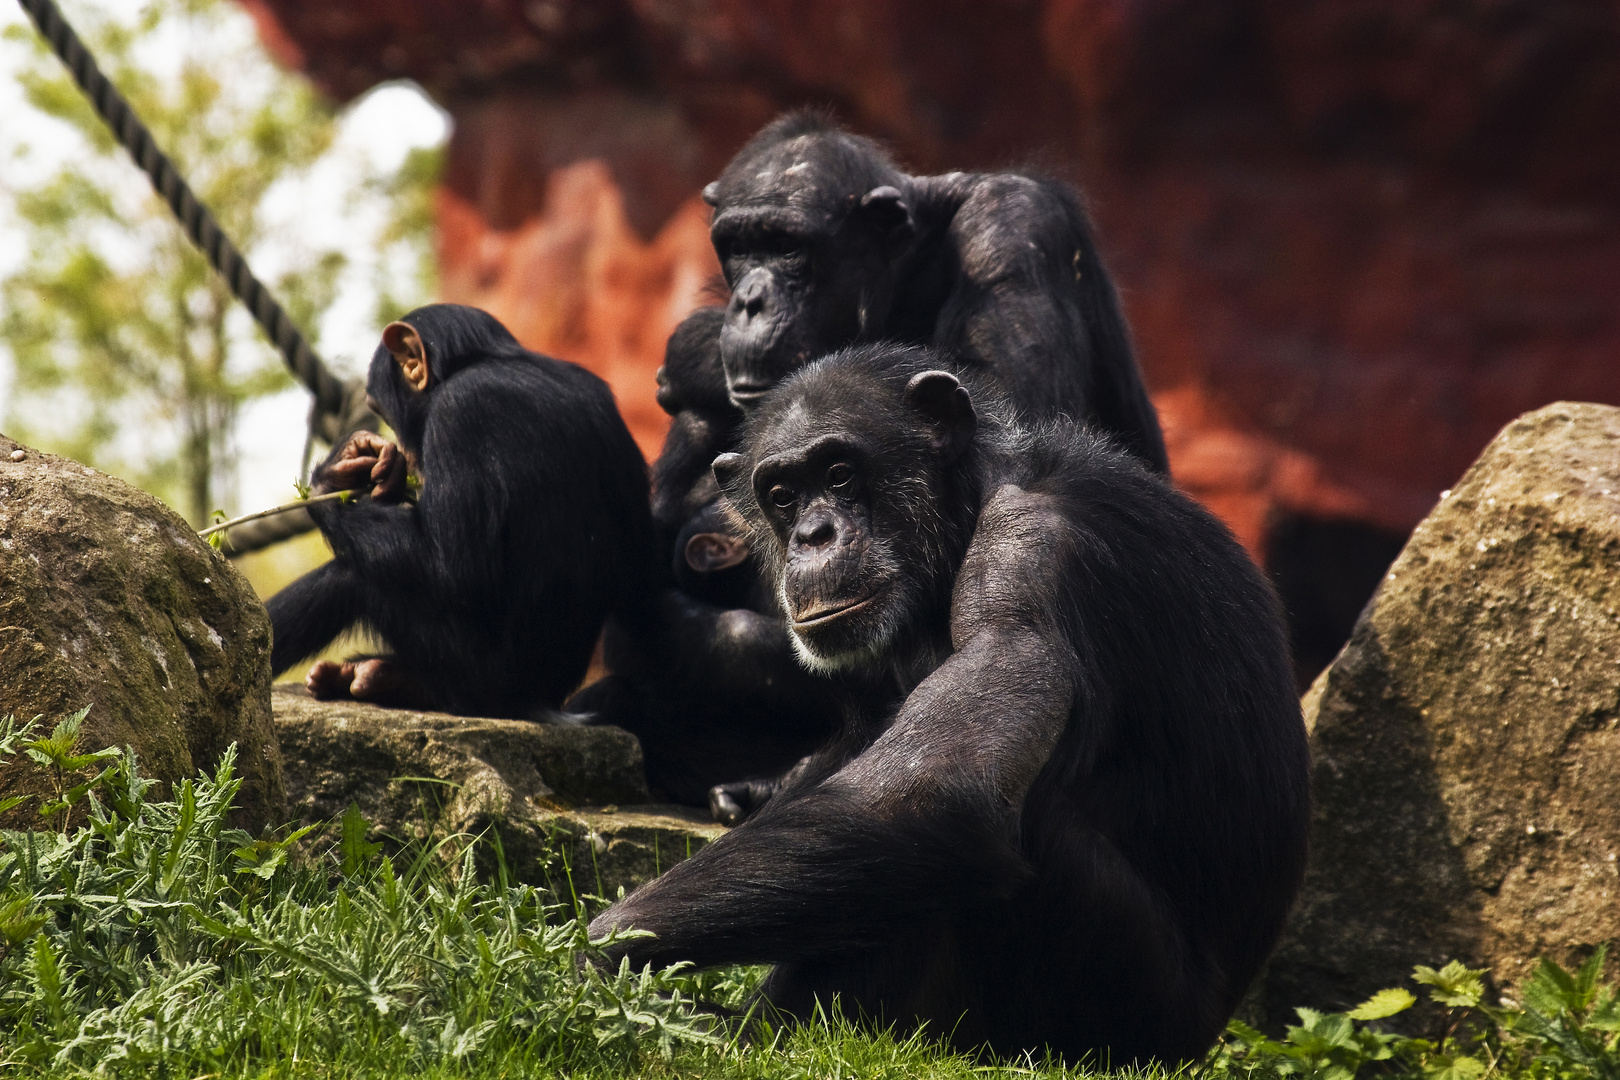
(532, 524)
(824, 242)
(1082, 827)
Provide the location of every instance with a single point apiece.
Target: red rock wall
(1354, 237)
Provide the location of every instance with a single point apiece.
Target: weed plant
(152, 939)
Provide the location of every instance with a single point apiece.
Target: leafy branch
(215, 533)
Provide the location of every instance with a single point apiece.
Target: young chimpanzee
(709, 560)
(825, 242)
(707, 680)
(1083, 826)
(532, 524)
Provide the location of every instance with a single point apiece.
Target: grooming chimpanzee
(532, 524)
(824, 242)
(1083, 826)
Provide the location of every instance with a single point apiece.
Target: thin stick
(274, 510)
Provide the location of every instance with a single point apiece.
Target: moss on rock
(109, 599)
(568, 803)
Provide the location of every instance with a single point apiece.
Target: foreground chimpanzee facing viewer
(825, 242)
(1084, 825)
(532, 524)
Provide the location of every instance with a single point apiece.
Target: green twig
(274, 510)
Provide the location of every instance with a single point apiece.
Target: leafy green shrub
(155, 939)
(1567, 1028)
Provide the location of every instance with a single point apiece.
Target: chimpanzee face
(836, 573)
(840, 482)
(808, 245)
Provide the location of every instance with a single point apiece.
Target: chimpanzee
(709, 560)
(532, 524)
(824, 242)
(705, 676)
(1083, 826)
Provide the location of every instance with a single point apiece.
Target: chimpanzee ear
(710, 553)
(947, 406)
(728, 470)
(665, 394)
(886, 209)
(402, 340)
(711, 193)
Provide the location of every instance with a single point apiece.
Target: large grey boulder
(570, 804)
(1466, 757)
(109, 599)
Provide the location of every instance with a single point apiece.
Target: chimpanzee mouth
(746, 393)
(824, 614)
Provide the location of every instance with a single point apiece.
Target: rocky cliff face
(1354, 238)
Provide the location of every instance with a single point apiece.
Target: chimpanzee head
(691, 376)
(809, 224)
(857, 482)
(422, 350)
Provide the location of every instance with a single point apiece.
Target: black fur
(825, 242)
(531, 525)
(705, 678)
(1082, 828)
(703, 422)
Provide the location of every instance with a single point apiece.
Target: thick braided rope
(199, 223)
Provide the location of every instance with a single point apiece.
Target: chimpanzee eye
(840, 475)
(783, 496)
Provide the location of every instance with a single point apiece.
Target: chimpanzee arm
(925, 819)
(447, 543)
(310, 612)
(741, 649)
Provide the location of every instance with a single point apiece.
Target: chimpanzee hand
(732, 804)
(366, 460)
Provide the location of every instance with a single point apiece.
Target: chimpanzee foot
(382, 682)
(329, 680)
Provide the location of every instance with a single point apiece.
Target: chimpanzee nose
(816, 531)
(751, 293)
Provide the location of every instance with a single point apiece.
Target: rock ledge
(569, 803)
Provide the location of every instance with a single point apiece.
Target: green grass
(151, 939)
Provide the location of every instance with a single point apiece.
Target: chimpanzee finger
(363, 444)
(346, 474)
(723, 806)
(388, 475)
